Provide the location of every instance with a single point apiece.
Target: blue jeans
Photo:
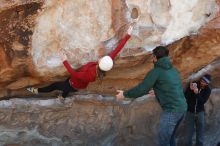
(169, 122)
(195, 122)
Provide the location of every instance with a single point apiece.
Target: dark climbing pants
(63, 86)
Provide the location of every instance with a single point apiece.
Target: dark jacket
(196, 101)
(165, 81)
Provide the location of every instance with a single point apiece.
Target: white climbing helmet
(106, 63)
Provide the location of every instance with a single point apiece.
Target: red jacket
(81, 77)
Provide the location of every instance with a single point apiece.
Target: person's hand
(63, 56)
(151, 92)
(71, 54)
(194, 88)
(130, 29)
(193, 85)
(120, 95)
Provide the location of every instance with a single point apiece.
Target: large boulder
(92, 120)
(33, 32)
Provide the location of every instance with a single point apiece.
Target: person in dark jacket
(166, 83)
(197, 93)
(80, 78)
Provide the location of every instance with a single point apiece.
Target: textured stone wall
(32, 33)
(92, 120)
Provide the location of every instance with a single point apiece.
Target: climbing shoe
(33, 90)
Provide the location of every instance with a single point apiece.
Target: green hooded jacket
(166, 82)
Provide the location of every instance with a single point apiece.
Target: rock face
(33, 32)
(76, 26)
(92, 120)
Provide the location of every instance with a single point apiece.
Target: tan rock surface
(33, 31)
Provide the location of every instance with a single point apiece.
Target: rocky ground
(92, 120)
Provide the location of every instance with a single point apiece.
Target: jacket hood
(164, 63)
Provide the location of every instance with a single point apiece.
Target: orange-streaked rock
(21, 21)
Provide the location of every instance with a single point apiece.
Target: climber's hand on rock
(120, 95)
(62, 54)
(130, 29)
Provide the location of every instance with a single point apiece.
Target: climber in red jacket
(80, 78)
